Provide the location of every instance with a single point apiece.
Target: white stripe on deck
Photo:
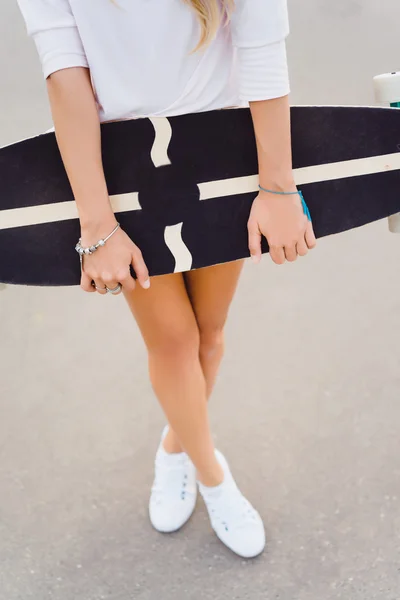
(60, 211)
(304, 175)
(64, 211)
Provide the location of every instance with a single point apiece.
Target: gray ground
(307, 405)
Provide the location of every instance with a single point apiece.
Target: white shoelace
(231, 507)
(170, 477)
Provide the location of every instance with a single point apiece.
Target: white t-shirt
(140, 57)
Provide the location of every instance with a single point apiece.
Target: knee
(175, 344)
(211, 341)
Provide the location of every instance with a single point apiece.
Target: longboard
(182, 187)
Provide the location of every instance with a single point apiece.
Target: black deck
(204, 147)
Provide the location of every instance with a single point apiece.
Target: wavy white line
(159, 151)
(178, 248)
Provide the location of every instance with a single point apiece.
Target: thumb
(310, 236)
(254, 240)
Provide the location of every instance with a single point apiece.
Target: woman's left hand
(281, 219)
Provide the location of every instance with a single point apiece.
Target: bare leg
(210, 291)
(167, 322)
(176, 338)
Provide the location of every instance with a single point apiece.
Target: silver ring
(115, 290)
(99, 289)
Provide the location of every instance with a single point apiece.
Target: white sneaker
(236, 523)
(174, 491)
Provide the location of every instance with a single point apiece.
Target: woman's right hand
(110, 264)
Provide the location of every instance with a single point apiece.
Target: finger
(140, 268)
(254, 241)
(302, 248)
(111, 283)
(310, 236)
(277, 254)
(290, 253)
(86, 283)
(127, 281)
(100, 286)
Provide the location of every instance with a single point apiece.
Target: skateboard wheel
(387, 87)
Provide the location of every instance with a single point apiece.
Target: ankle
(213, 477)
(171, 443)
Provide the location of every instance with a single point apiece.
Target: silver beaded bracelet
(90, 249)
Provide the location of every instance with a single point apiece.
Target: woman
(107, 60)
